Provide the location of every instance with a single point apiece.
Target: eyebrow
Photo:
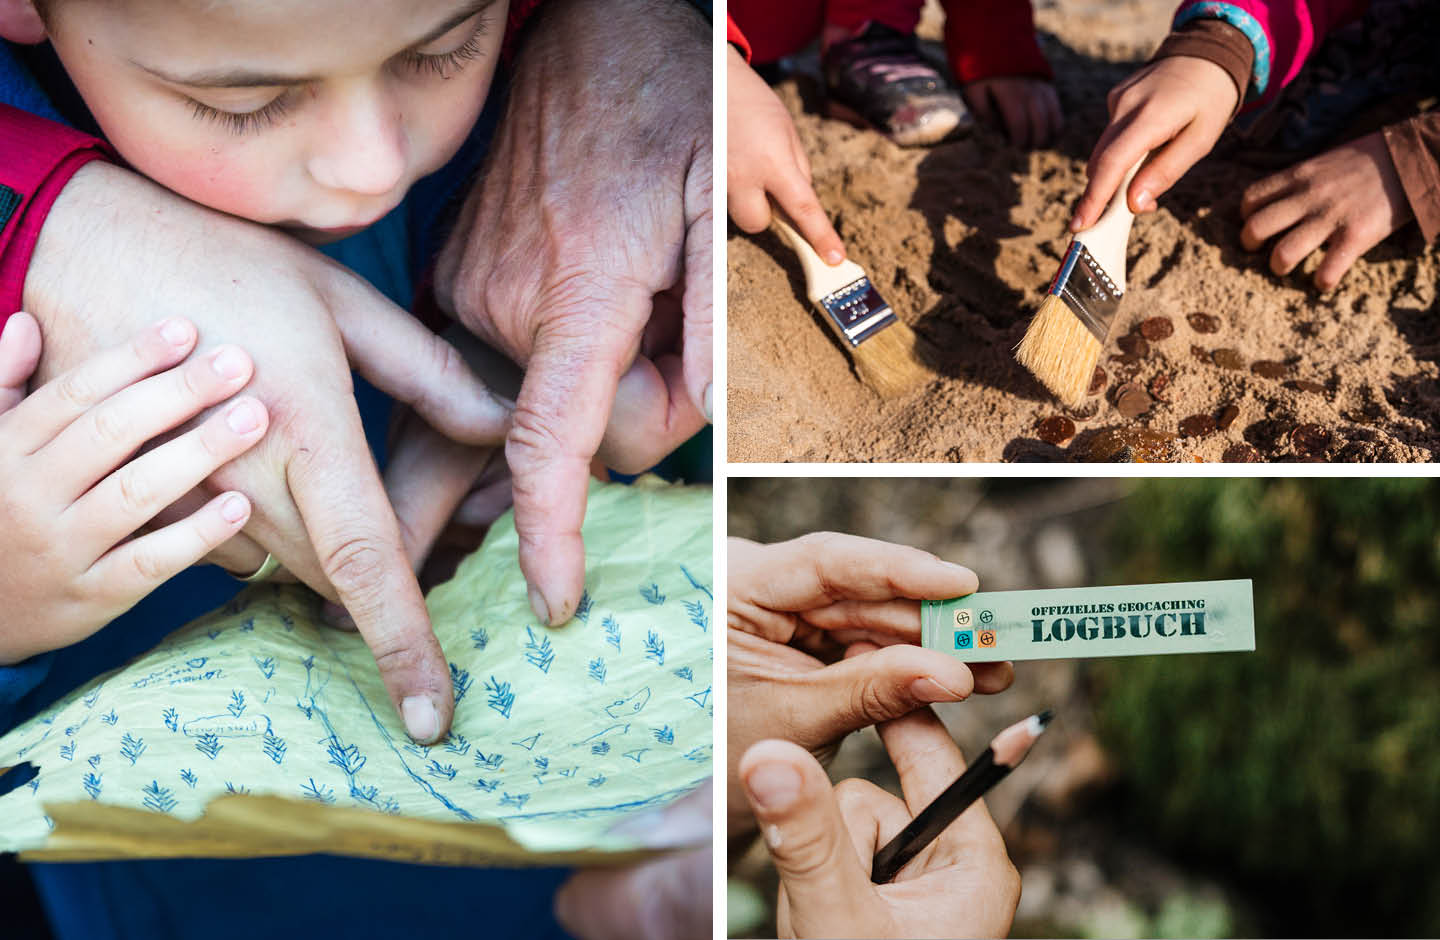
(248, 78)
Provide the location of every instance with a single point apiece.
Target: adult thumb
(882, 684)
(803, 828)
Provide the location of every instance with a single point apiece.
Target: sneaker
(880, 79)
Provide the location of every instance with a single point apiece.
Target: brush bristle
(886, 361)
(1060, 351)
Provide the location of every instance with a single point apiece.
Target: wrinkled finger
(559, 421)
(92, 446)
(131, 496)
(132, 570)
(19, 355)
(827, 887)
(698, 299)
(668, 897)
(925, 756)
(797, 199)
(342, 502)
(652, 415)
(1270, 219)
(403, 358)
(899, 618)
(52, 407)
(1295, 245)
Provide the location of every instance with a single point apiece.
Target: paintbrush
(1064, 340)
(881, 345)
(1003, 755)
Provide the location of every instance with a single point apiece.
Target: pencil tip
(1044, 717)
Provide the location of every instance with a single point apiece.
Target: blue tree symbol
(479, 638)
(237, 703)
(538, 651)
(655, 648)
(266, 665)
(597, 669)
(274, 746)
(209, 745)
(460, 679)
(91, 782)
(651, 592)
(172, 719)
(501, 698)
(158, 798)
(582, 609)
(665, 734)
(317, 792)
(189, 777)
(698, 615)
(612, 632)
(455, 743)
(131, 748)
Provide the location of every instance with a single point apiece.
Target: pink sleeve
(39, 157)
(1282, 32)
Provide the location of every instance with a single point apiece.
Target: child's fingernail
(1144, 200)
(175, 332)
(422, 722)
(537, 604)
(774, 786)
(244, 417)
(834, 257)
(1075, 224)
(229, 363)
(710, 403)
(234, 508)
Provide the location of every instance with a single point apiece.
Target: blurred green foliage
(1309, 769)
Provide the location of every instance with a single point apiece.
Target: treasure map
(257, 731)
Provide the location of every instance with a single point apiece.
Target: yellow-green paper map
(256, 731)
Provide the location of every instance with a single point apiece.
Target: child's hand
(1028, 108)
(72, 492)
(1177, 108)
(765, 156)
(19, 355)
(1347, 199)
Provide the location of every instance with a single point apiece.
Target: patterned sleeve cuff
(1247, 24)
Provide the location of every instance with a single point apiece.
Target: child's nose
(362, 148)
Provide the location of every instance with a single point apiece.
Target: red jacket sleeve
(40, 156)
(992, 38)
(736, 38)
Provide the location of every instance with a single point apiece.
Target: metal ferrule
(1087, 290)
(857, 311)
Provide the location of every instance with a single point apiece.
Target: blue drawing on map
(685, 673)
(501, 698)
(538, 654)
(597, 669)
(317, 792)
(365, 794)
(567, 772)
(491, 761)
(651, 592)
(172, 719)
(214, 634)
(266, 665)
(287, 623)
(487, 785)
(701, 699)
(90, 698)
(67, 751)
(460, 679)
(158, 798)
(698, 615)
(237, 703)
(542, 764)
(391, 806)
(91, 783)
(636, 754)
(665, 734)
(189, 777)
(597, 780)
(110, 717)
(34, 784)
(528, 743)
(612, 631)
(209, 745)
(697, 754)
(419, 750)
(582, 609)
(349, 759)
(131, 748)
(273, 746)
(516, 800)
(235, 788)
(455, 743)
(93, 760)
(479, 638)
(655, 648)
(437, 769)
(630, 705)
(600, 749)
(197, 663)
(694, 583)
(248, 625)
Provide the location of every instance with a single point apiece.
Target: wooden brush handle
(821, 279)
(1109, 236)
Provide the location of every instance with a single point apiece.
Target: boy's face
(313, 115)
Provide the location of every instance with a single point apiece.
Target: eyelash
(443, 65)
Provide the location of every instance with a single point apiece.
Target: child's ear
(20, 22)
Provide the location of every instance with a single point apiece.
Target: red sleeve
(991, 38)
(736, 38)
(40, 158)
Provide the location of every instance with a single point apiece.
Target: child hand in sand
(764, 160)
(1026, 108)
(76, 494)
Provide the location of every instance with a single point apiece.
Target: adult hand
(319, 505)
(1348, 199)
(823, 842)
(1028, 109)
(766, 159)
(796, 606)
(1175, 109)
(594, 209)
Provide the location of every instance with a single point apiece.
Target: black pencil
(1003, 755)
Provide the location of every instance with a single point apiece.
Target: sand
(963, 239)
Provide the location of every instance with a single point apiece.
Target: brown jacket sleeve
(1415, 147)
(1217, 41)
